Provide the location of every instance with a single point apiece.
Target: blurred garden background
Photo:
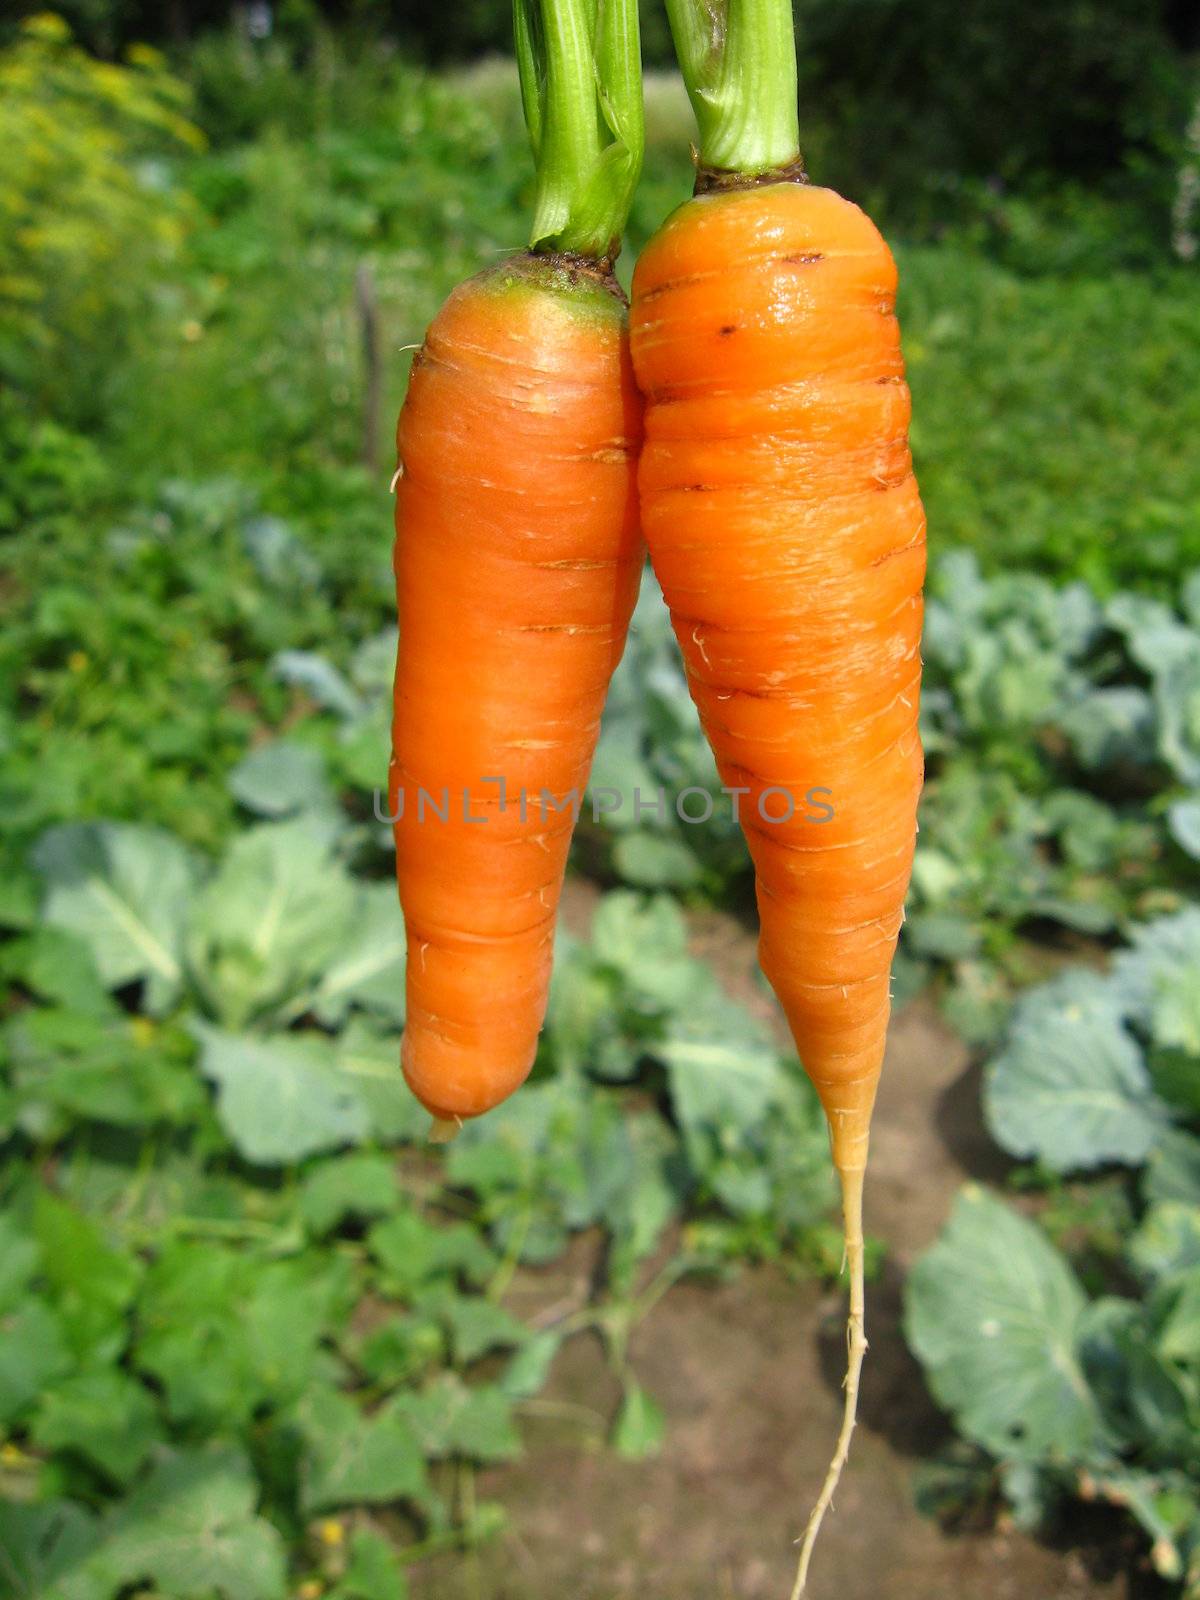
(257, 1339)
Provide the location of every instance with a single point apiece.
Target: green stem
(738, 59)
(505, 1272)
(581, 92)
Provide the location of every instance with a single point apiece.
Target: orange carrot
(517, 564)
(784, 525)
(517, 561)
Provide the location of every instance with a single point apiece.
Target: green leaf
(224, 1332)
(44, 1552)
(619, 764)
(992, 1312)
(92, 1284)
(1165, 1506)
(474, 1325)
(361, 753)
(122, 1070)
(1088, 832)
(778, 1172)
(413, 1253)
(58, 966)
(1070, 1086)
(640, 1426)
(280, 556)
(644, 939)
(351, 1459)
(400, 1349)
(489, 1169)
(192, 1339)
(18, 898)
(371, 1062)
(1176, 1080)
(1111, 725)
(368, 969)
(654, 861)
(319, 679)
(279, 779)
(1168, 1240)
(1029, 1489)
(1159, 979)
(280, 1099)
(1144, 1404)
(942, 935)
(191, 1530)
(451, 1419)
(126, 891)
(529, 1369)
(1179, 1331)
(580, 1017)
(359, 1185)
(936, 877)
(18, 1260)
(1177, 698)
(372, 1572)
(1081, 914)
(1183, 819)
(373, 665)
(652, 1194)
(592, 1175)
(34, 1354)
(1173, 1171)
(106, 1416)
(723, 1069)
(273, 918)
(557, 1156)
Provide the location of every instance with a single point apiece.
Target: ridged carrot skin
(784, 524)
(517, 560)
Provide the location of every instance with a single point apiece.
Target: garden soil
(748, 1373)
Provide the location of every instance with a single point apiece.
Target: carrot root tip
(856, 1349)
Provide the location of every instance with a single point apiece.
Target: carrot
(517, 563)
(784, 524)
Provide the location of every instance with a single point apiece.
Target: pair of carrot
(751, 421)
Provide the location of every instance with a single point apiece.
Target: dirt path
(749, 1375)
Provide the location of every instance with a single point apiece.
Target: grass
(1051, 415)
(1054, 412)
